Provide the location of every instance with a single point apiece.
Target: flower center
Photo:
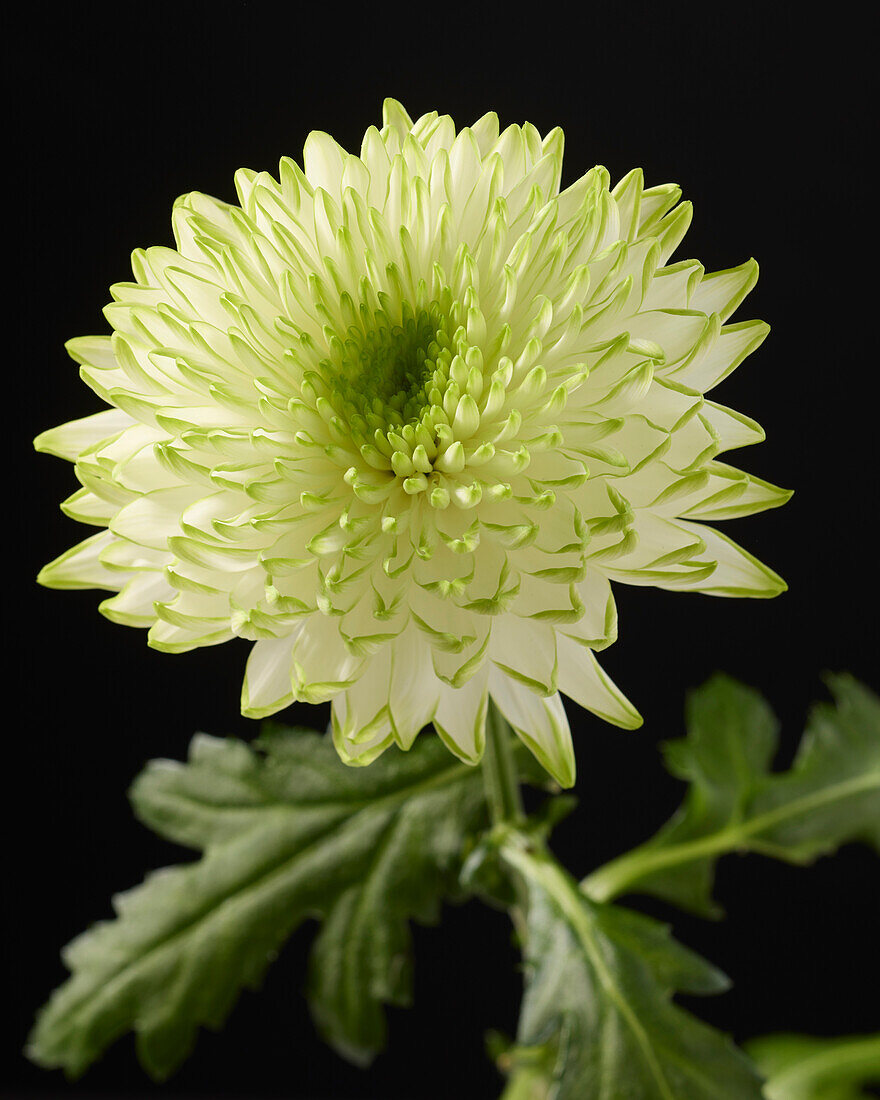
(382, 373)
(405, 404)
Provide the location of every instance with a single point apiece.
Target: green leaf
(830, 796)
(288, 832)
(599, 983)
(799, 1067)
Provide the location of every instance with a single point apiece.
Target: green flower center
(401, 394)
(383, 373)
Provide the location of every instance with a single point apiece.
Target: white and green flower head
(399, 419)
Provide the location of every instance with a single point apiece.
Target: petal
(664, 553)
(323, 162)
(322, 666)
(539, 722)
(460, 718)
(722, 291)
(154, 517)
(733, 345)
(597, 627)
(730, 493)
(414, 688)
(133, 606)
(85, 507)
(732, 428)
(582, 679)
(71, 439)
(736, 572)
(374, 739)
(171, 637)
(526, 651)
(81, 567)
(267, 684)
(394, 116)
(360, 715)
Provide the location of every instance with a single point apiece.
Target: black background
(761, 114)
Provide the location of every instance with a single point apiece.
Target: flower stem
(500, 777)
(530, 1069)
(616, 877)
(504, 797)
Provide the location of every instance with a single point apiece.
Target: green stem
(503, 794)
(538, 865)
(616, 877)
(500, 776)
(851, 1060)
(528, 1079)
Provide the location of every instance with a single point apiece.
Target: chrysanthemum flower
(400, 418)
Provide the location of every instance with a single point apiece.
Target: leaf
(830, 796)
(288, 832)
(599, 983)
(799, 1067)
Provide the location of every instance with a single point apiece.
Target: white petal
(733, 344)
(729, 493)
(485, 130)
(733, 428)
(414, 688)
(597, 627)
(375, 738)
(368, 696)
(457, 667)
(267, 684)
(582, 679)
(722, 291)
(676, 331)
(526, 651)
(628, 196)
(133, 606)
(460, 719)
(395, 116)
(86, 507)
(361, 717)
(94, 351)
(323, 162)
(664, 553)
(71, 439)
(322, 666)
(737, 572)
(152, 519)
(81, 567)
(655, 203)
(171, 637)
(672, 287)
(540, 723)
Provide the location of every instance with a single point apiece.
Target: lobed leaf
(288, 833)
(598, 1018)
(734, 802)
